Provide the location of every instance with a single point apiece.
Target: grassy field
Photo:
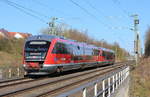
(140, 79)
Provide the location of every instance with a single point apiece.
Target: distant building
(25, 35)
(18, 35)
(15, 35)
(4, 33)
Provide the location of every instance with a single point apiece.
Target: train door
(100, 57)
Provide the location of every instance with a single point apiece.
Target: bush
(11, 51)
(5, 45)
(147, 43)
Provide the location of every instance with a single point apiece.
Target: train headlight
(24, 65)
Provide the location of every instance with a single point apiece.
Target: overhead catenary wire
(103, 14)
(119, 5)
(38, 15)
(97, 10)
(23, 10)
(90, 14)
(31, 10)
(45, 5)
(58, 11)
(48, 7)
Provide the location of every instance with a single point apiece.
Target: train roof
(50, 37)
(43, 37)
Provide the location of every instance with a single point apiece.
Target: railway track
(46, 86)
(10, 80)
(76, 83)
(15, 82)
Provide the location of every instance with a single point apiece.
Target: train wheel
(61, 69)
(58, 70)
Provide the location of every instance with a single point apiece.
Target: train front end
(35, 52)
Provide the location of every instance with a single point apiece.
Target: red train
(44, 54)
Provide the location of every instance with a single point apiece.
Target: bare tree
(147, 43)
(58, 30)
(82, 36)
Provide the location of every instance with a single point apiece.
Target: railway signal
(137, 48)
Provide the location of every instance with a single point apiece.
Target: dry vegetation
(147, 43)
(141, 79)
(11, 51)
(141, 74)
(82, 36)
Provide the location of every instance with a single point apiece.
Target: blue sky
(101, 26)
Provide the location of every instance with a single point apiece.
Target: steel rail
(15, 82)
(9, 80)
(54, 91)
(54, 81)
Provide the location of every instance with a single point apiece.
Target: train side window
(79, 50)
(82, 50)
(55, 49)
(60, 48)
(74, 50)
(95, 52)
(78, 47)
(87, 51)
(103, 54)
(69, 48)
(63, 49)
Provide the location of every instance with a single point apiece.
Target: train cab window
(37, 46)
(36, 50)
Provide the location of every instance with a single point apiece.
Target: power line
(22, 10)
(117, 2)
(103, 14)
(92, 6)
(98, 10)
(31, 10)
(47, 6)
(87, 12)
(56, 10)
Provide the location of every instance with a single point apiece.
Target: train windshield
(36, 50)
